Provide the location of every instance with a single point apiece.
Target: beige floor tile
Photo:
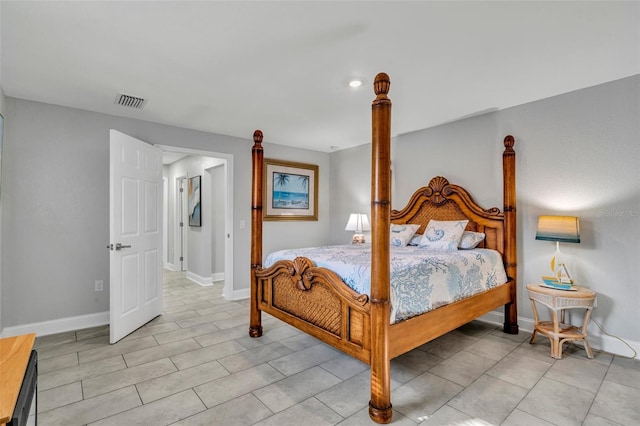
(463, 367)
(520, 418)
(80, 372)
(57, 397)
(222, 336)
(348, 397)
(246, 359)
(423, 396)
(287, 392)
(618, 403)
(57, 363)
(204, 355)
(242, 411)
(154, 353)
(518, 370)
(344, 366)
(159, 413)
(447, 416)
(311, 410)
(362, 418)
(449, 344)
(625, 372)
(160, 387)
(184, 333)
(304, 359)
(542, 402)
(581, 373)
(489, 399)
(92, 409)
(90, 333)
(127, 377)
(238, 384)
(491, 347)
(43, 342)
(122, 347)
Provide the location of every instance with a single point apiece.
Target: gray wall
(577, 154)
(216, 217)
(2, 112)
(56, 202)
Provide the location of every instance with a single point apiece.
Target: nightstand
(559, 301)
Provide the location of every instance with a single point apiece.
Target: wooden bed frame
(316, 301)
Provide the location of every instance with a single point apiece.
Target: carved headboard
(441, 200)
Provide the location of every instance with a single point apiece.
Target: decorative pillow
(443, 235)
(415, 240)
(401, 234)
(470, 239)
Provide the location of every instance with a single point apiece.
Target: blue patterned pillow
(470, 239)
(401, 234)
(443, 235)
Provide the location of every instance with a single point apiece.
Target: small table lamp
(565, 229)
(358, 222)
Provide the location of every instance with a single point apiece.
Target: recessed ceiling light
(355, 83)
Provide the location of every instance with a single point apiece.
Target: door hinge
(181, 258)
(181, 224)
(181, 189)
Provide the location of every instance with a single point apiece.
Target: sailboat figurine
(561, 279)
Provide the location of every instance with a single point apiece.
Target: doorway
(205, 253)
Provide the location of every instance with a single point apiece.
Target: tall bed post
(510, 253)
(257, 155)
(380, 404)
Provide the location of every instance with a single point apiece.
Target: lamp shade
(564, 229)
(358, 222)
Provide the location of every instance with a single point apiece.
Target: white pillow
(401, 234)
(470, 239)
(415, 240)
(443, 234)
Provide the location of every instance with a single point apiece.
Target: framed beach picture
(193, 201)
(291, 190)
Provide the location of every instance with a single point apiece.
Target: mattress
(421, 279)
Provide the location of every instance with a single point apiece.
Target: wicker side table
(558, 301)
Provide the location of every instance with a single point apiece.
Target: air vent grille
(130, 101)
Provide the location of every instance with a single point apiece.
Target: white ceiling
(283, 67)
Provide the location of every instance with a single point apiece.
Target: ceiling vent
(130, 101)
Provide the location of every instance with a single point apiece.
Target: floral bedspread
(421, 279)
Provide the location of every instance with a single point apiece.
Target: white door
(135, 233)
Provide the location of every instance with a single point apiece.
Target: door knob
(120, 246)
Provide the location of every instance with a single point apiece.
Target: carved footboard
(316, 301)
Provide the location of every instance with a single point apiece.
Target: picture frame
(194, 203)
(291, 190)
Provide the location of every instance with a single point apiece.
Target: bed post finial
(381, 85)
(257, 137)
(257, 157)
(509, 141)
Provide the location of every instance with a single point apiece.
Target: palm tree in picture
(280, 179)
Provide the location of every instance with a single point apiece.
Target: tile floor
(196, 365)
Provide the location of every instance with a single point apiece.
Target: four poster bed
(317, 301)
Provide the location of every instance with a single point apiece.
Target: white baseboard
(171, 267)
(238, 294)
(597, 340)
(61, 325)
(203, 281)
(218, 276)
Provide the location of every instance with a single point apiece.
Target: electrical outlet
(99, 285)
